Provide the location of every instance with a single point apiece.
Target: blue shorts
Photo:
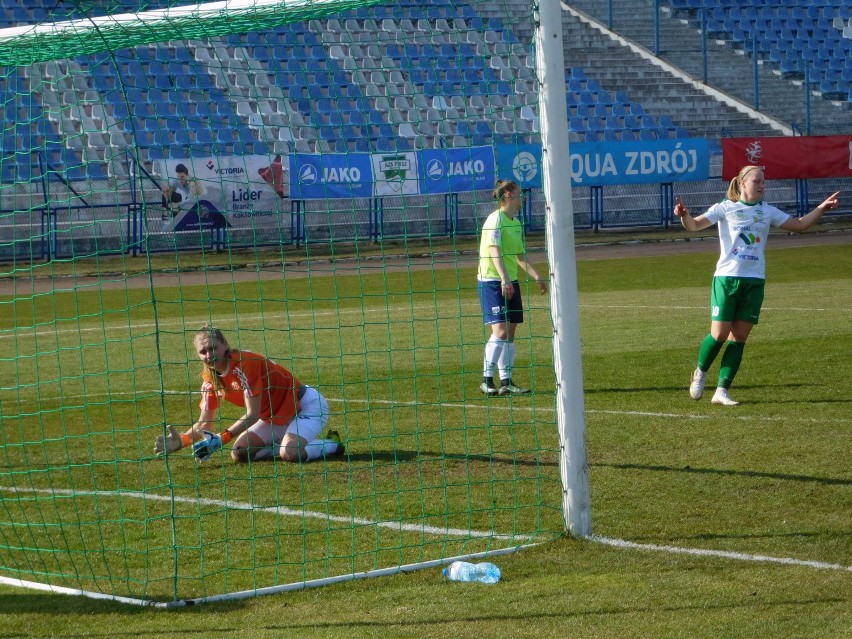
(496, 309)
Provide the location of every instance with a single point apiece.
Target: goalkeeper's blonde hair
(208, 373)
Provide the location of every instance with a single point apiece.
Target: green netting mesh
(371, 296)
(81, 27)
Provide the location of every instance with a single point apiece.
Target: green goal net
(311, 178)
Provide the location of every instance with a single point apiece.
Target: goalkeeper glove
(171, 443)
(204, 449)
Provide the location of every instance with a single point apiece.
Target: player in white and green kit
(501, 252)
(744, 221)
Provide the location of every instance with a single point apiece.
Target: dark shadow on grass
(828, 481)
(527, 615)
(77, 606)
(524, 616)
(408, 456)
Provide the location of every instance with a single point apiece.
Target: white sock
(507, 361)
(494, 348)
(320, 447)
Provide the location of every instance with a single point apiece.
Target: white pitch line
(591, 411)
(704, 552)
(389, 310)
(501, 407)
(421, 529)
(278, 510)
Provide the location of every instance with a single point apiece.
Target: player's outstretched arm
(802, 224)
(689, 223)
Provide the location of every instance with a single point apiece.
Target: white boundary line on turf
(725, 554)
(269, 590)
(490, 406)
(389, 309)
(608, 541)
(487, 405)
(279, 510)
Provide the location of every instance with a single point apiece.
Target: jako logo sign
(330, 175)
(435, 169)
(308, 174)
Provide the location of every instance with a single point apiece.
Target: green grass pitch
(427, 452)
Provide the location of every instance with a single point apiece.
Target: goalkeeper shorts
(311, 418)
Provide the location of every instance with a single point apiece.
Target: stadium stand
(331, 86)
(799, 38)
(787, 35)
(307, 87)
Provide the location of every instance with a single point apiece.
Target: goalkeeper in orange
(283, 418)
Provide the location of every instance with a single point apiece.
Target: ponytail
(734, 189)
(504, 186)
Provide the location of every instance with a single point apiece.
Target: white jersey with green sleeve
(743, 229)
(506, 233)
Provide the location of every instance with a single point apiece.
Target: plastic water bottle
(484, 573)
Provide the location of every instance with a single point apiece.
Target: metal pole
(657, 28)
(570, 411)
(704, 41)
(756, 72)
(808, 99)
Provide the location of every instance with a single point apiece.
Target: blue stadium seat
(96, 171)
(357, 117)
(203, 136)
(614, 122)
(648, 122)
(184, 136)
(482, 127)
(595, 124)
(585, 110)
(328, 133)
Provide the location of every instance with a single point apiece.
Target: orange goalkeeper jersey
(252, 374)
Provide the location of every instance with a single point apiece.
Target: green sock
(731, 359)
(708, 351)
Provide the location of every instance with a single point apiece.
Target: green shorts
(736, 298)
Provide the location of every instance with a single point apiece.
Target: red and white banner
(789, 158)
